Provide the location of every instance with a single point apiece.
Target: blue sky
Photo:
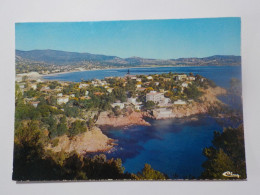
(161, 39)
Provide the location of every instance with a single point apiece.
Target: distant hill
(61, 58)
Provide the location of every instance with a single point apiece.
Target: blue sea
(172, 146)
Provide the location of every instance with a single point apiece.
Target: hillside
(35, 60)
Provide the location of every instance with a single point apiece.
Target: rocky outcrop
(133, 118)
(90, 141)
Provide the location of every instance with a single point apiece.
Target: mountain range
(61, 58)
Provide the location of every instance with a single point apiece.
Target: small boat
(230, 174)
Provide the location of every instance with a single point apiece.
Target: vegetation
(226, 154)
(192, 92)
(148, 173)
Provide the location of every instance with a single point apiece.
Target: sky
(160, 39)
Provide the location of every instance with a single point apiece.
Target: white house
(149, 78)
(131, 100)
(72, 95)
(82, 85)
(191, 78)
(35, 104)
(202, 79)
(62, 100)
(139, 80)
(34, 86)
(179, 102)
(120, 105)
(59, 95)
(184, 84)
(86, 93)
(181, 77)
(138, 86)
(109, 90)
(164, 102)
(154, 96)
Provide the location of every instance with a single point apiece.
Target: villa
(62, 100)
(154, 96)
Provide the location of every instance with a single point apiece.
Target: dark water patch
(172, 146)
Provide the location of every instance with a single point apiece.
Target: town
(72, 108)
(159, 93)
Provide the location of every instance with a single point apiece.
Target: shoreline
(156, 66)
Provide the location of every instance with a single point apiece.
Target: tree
(62, 126)
(148, 173)
(149, 105)
(220, 162)
(77, 127)
(226, 154)
(116, 110)
(192, 92)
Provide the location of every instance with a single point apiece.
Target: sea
(171, 146)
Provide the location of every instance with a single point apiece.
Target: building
(33, 86)
(181, 77)
(164, 102)
(149, 78)
(82, 85)
(59, 95)
(141, 89)
(163, 113)
(154, 96)
(35, 104)
(86, 93)
(167, 79)
(138, 86)
(109, 90)
(191, 78)
(120, 105)
(62, 100)
(179, 102)
(184, 84)
(131, 100)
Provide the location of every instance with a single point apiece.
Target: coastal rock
(90, 141)
(133, 118)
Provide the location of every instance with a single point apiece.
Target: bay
(172, 146)
(221, 75)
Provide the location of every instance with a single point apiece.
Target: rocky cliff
(90, 141)
(133, 118)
